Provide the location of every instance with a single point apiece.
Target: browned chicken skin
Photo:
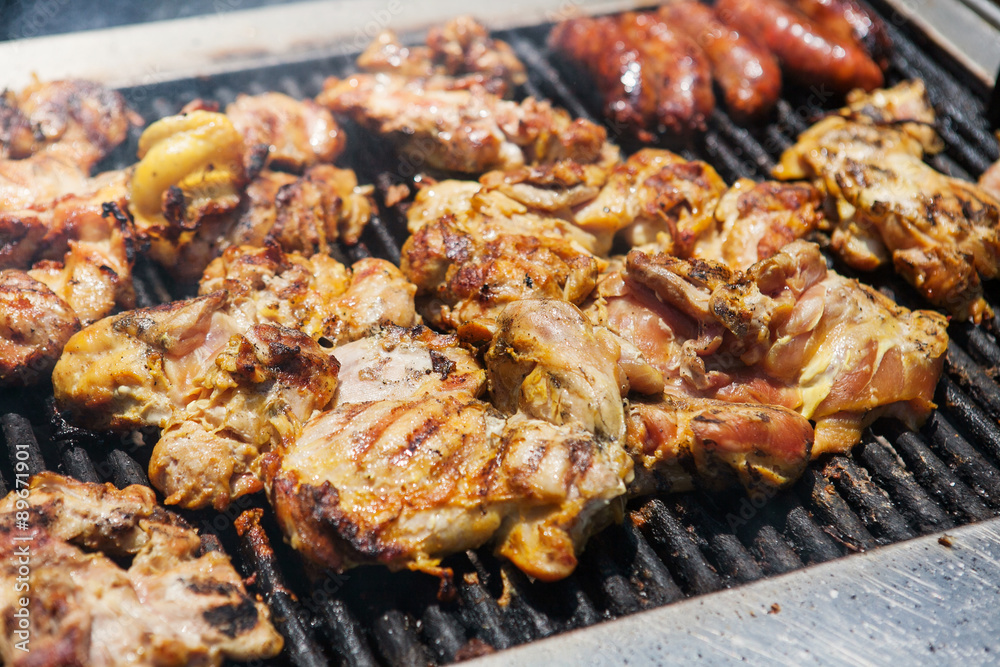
(442, 123)
(808, 51)
(231, 376)
(297, 134)
(649, 74)
(459, 48)
(747, 72)
(787, 332)
(941, 234)
(175, 603)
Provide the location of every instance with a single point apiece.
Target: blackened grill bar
(895, 486)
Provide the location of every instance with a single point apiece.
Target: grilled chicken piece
(474, 250)
(74, 121)
(656, 197)
(308, 214)
(191, 200)
(229, 376)
(651, 76)
(547, 361)
(296, 133)
(175, 604)
(443, 123)
(808, 50)
(790, 332)
(318, 296)
(397, 362)
(756, 220)
(42, 307)
(941, 234)
(460, 48)
(748, 73)
(681, 443)
(440, 473)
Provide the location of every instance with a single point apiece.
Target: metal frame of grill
(674, 557)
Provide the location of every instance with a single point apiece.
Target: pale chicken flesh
(175, 603)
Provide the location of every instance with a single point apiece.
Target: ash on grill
(895, 485)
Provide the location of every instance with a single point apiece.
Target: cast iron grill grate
(896, 485)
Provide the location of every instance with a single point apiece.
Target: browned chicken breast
(229, 376)
(680, 443)
(656, 197)
(78, 122)
(175, 604)
(460, 48)
(753, 221)
(296, 133)
(787, 332)
(941, 234)
(443, 123)
(472, 251)
(82, 249)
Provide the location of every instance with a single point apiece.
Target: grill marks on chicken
(941, 234)
(229, 376)
(407, 479)
(472, 251)
(174, 604)
(457, 126)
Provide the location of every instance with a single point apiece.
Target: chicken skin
(787, 332)
(174, 604)
(230, 376)
(411, 466)
(940, 233)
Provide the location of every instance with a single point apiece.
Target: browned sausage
(649, 75)
(748, 73)
(807, 51)
(849, 20)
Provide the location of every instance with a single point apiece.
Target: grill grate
(895, 486)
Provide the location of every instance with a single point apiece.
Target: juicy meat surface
(942, 234)
(296, 133)
(444, 124)
(748, 73)
(472, 251)
(174, 604)
(80, 252)
(680, 443)
(461, 47)
(229, 376)
(650, 75)
(756, 220)
(75, 121)
(850, 21)
(787, 332)
(656, 196)
(809, 52)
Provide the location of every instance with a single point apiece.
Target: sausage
(848, 20)
(807, 51)
(649, 75)
(748, 73)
